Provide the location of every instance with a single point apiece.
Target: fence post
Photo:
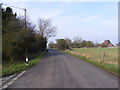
(103, 55)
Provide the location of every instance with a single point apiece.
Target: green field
(110, 56)
(94, 56)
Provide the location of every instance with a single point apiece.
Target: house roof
(108, 42)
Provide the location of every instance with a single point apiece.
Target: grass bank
(110, 54)
(112, 68)
(21, 66)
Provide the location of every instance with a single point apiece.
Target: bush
(62, 44)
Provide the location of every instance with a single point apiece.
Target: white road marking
(5, 86)
(12, 75)
(14, 79)
(7, 78)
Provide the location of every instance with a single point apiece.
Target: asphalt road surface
(59, 70)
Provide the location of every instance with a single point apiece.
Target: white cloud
(44, 14)
(91, 19)
(111, 23)
(50, 14)
(77, 19)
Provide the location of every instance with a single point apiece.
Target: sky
(95, 21)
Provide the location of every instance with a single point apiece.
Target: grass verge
(108, 67)
(19, 67)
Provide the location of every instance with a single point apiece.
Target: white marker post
(26, 60)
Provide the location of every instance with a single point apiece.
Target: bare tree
(77, 39)
(68, 41)
(46, 29)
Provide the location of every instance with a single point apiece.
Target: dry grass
(111, 54)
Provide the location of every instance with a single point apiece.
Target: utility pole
(24, 22)
(25, 17)
(25, 29)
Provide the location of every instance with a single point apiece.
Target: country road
(59, 70)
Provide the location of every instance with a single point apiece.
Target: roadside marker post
(26, 60)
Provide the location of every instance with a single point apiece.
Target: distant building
(108, 43)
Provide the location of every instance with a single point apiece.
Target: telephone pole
(25, 29)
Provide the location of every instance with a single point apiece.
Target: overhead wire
(14, 7)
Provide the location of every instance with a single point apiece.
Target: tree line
(76, 43)
(17, 41)
(68, 43)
